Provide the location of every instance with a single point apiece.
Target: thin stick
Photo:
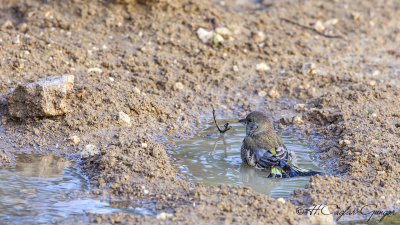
(311, 28)
(226, 126)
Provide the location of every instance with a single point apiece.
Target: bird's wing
(278, 156)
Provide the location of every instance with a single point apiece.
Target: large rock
(46, 97)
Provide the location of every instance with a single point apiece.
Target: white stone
(282, 200)
(262, 67)
(124, 119)
(272, 93)
(298, 119)
(143, 145)
(262, 93)
(90, 150)
(319, 26)
(235, 68)
(74, 139)
(164, 216)
(258, 36)
(207, 36)
(136, 90)
(178, 86)
(95, 70)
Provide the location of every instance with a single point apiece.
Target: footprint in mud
(213, 158)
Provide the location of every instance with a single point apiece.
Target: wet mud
(145, 59)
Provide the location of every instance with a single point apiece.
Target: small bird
(263, 148)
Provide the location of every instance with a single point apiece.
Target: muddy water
(212, 158)
(43, 189)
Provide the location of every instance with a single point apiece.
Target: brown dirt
(150, 46)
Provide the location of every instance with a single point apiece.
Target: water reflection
(214, 158)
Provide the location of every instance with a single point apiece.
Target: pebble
(111, 79)
(262, 67)
(331, 22)
(136, 90)
(308, 68)
(298, 119)
(376, 73)
(372, 83)
(258, 36)
(224, 32)
(235, 68)
(262, 93)
(178, 86)
(16, 40)
(90, 150)
(74, 139)
(95, 70)
(319, 26)
(345, 142)
(124, 119)
(7, 25)
(143, 145)
(205, 36)
(164, 216)
(272, 93)
(355, 15)
(282, 200)
(146, 192)
(374, 115)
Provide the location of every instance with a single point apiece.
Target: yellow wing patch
(273, 151)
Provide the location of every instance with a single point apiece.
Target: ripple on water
(215, 159)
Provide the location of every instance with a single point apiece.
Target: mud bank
(145, 59)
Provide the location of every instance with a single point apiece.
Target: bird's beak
(243, 121)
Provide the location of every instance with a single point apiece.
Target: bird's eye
(249, 120)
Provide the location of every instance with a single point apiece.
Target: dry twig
(310, 28)
(226, 126)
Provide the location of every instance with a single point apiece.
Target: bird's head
(256, 122)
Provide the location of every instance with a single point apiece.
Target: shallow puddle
(43, 189)
(212, 158)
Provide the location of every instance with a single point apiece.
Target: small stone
(94, 70)
(7, 25)
(164, 216)
(372, 83)
(282, 200)
(136, 90)
(262, 67)
(178, 86)
(355, 15)
(16, 40)
(46, 97)
(374, 115)
(262, 93)
(319, 26)
(258, 36)
(23, 27)
(90, 150)
(331, 22)
(235, 68)
(74, 139)
(345, 142)
(376, 73)
(298, 119)
(308, 68)
(111, 79)
(124, 119)
(224, 32)
(143, 145)
(273, 94)
(146, 192)
(205, 36)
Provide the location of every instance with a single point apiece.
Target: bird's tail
(294, 171)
